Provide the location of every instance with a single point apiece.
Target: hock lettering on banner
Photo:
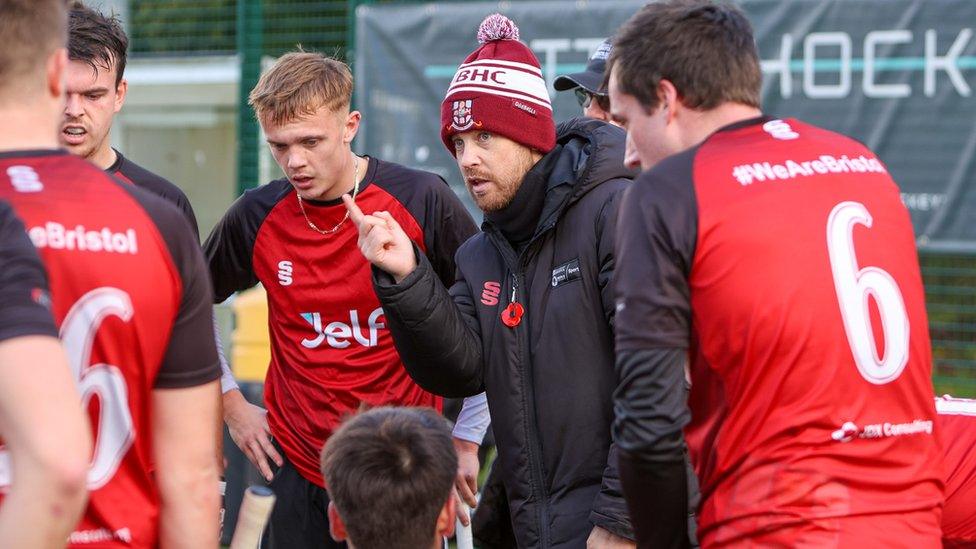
(876, 70)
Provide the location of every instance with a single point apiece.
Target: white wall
(180, 121)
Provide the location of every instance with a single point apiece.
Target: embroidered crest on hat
(505, 79)
(462, 115)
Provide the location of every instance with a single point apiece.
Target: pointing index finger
(355, 213)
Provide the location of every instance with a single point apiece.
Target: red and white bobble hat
(499, 89)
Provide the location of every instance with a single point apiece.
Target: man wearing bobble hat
(530, 316)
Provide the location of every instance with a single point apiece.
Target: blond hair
(298, 84)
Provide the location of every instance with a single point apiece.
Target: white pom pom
(497, 27)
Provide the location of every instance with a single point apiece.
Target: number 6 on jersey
(114, 432)
(854, 288)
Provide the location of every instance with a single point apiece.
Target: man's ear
(54, 73)
(447, 518)
(337, 529)
(352, 126)
(120, 92)
(668, 95)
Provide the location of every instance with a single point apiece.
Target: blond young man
(330, 349)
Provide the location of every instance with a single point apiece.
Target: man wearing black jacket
(530, 317)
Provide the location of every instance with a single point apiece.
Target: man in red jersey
(46, 441)
(957, 429)
(778, 259)
(131, 297)
(330, 348)
(96, 90)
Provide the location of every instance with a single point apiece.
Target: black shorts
(299, 519)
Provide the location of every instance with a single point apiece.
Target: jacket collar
(588, 152)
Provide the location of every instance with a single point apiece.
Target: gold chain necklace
(355, 191)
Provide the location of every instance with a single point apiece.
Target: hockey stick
(462, 533)
(252, 518)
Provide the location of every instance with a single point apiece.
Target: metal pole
(350, 53)
(250, 47)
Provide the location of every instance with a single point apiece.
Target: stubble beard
(506, 184)
(91, 148)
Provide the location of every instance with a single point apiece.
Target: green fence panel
(950, 296)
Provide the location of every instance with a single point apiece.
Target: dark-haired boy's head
(389, 473)
(94, 81)
(97, 40)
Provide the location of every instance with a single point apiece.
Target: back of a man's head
(30, 31)
(389, 473)
(705, 48)
(96, 39)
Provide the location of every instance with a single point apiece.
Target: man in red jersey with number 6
(775, 261)
(132, 301)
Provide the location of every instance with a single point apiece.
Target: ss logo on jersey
(284, 273)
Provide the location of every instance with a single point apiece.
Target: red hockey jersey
(132, 300)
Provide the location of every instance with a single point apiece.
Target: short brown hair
(389, 472)
(96, 39)
(706, 49)
(30, 31)
(299, 83)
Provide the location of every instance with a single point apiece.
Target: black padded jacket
(550, 378)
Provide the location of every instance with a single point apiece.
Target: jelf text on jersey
(337, 334)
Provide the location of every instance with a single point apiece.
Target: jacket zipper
(535, 444)
(536, 479)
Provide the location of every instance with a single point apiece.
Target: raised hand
(382, 241)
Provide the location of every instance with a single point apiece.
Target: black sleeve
(24, 298)
(191, 357)
(191, 354)
(656, 232)
(229, 249)
(448, 225)
(175, 195)
(657, 498)
(650, 413)
(434, 330)
(143, 178)
(183, 203)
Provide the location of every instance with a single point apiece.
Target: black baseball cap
(591, 79)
